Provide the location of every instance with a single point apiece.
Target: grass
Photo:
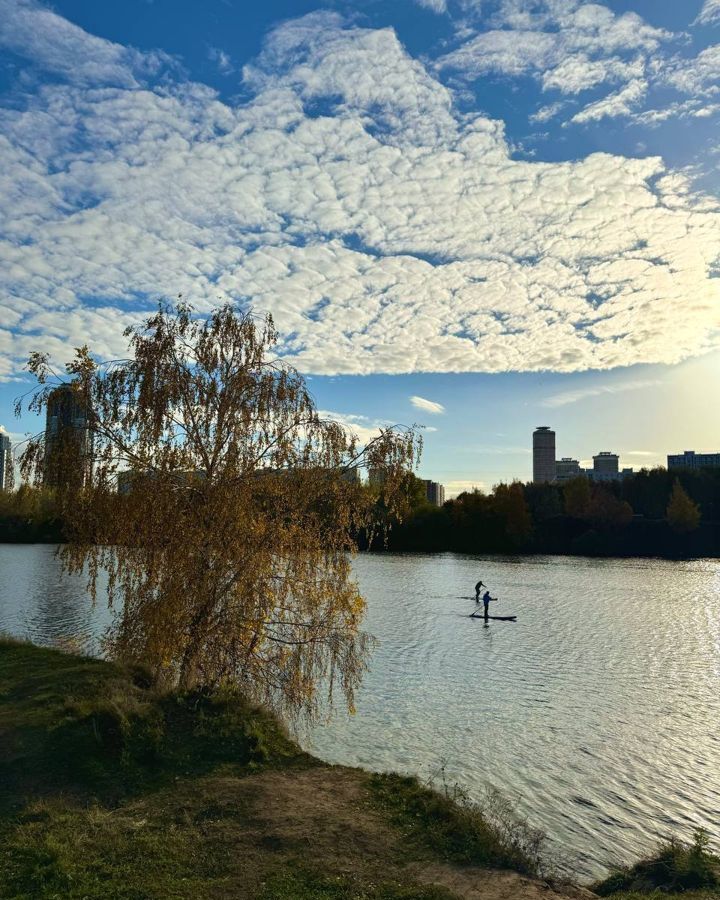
(676, 868)
(112, 789)
(488, 834)
(97, 729)
(308, 885)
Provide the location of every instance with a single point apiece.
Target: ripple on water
(592, 712)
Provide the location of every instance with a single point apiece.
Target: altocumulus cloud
(386, 230)
(709, 13)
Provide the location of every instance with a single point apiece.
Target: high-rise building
(351, 475)
(68, 440)
(606, 466)
(692, 460)
(434, 492)
(567, 468)
(376, 477)
(7, 469)
(543, 454)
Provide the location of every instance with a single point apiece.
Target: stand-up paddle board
(495, 618)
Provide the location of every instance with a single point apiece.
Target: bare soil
(323, 818)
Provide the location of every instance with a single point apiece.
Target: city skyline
(470, 216)
(437, 490)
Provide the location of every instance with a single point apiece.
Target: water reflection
(41, 604)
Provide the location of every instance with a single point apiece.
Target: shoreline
(34, 540)
(103, 769)
(117, 790)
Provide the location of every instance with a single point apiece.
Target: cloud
(386, 230)
(570, 47)
(685, 109)
(54, 44)
(545, 113)
(621, 103)
(362, 427)
(438, 6)
(709, 14)
(698, 76)
(428, 406)
(567, 397)
(221, 59)
(567, 46)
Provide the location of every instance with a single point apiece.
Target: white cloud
(429, 406)
(568, 46)
(221, 59)
(385, 230)
(438, 6)
(362, 427)
(578, 73)
(567, 397)
(709, 14)
(684, 109)
(621, 103)
(571, 47)
(698, 76)
(52, 42)
(545, 113)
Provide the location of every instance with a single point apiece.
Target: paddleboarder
(477, 591)
(487, 600)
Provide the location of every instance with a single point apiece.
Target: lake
(597, 712)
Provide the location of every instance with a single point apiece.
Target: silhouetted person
(487, 599)
(477, 591)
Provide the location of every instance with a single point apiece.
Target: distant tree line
(654, 513)
(30, 515)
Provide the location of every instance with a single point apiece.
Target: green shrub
(674, 868)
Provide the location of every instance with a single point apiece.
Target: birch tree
(223, 507)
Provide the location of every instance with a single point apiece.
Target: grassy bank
(114, 790)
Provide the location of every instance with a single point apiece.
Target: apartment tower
(7, 474)
(68, 441)
(543, 454)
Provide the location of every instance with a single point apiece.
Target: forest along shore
(657, 513)
(118, 790)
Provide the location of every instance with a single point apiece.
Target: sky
(479, 216)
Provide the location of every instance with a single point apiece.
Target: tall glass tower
(68, 442)
(543, 454)
(7, 473)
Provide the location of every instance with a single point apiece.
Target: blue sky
(507, 210)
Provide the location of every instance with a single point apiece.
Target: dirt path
(323, 817)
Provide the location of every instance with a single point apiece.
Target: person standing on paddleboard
(487, 599)
(477, 591)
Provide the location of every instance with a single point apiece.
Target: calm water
(598, 711)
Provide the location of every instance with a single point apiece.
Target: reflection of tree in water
(59, 611)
